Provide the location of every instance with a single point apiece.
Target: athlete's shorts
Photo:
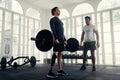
(59, 47)
(90, 45)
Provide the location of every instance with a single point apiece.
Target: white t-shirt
(89, 33)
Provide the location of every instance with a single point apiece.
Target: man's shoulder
(53, 19)
(85, 26)
(92, 25)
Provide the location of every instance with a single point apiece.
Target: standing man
(88, 36)
(58, 32)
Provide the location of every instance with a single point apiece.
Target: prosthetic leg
(53, 60)
(50, 73)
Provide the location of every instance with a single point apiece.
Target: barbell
(27, 60)
(44, 41)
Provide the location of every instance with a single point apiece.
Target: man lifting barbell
(58, 47)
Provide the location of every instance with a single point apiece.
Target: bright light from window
(105, 4)
(82, 9)
(11, 5)
(33, 13)
(64, 13)
(17, 7)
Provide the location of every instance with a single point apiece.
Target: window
(82, 9)
(11, 5)
(64, 13)
(15, 32)
(33, 13)
(108, 24)
(104, 4)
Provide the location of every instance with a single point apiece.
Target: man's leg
(59, 58)
(93, 59)
(60, 70)
(84, 60)
(53, 60)
(84, 57)
(50, 73)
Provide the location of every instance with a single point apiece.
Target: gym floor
(40, 71)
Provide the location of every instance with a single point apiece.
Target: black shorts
(59, 47)
(90, 45)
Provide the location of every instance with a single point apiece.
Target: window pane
(105, 4)
(116, 36)
(93, 18)
(16, 19)
(7, 26)
(108, 49)
(107, 37)
(82, 9)
(1, 14)
(78, 27)
(15, 29)
(106, 27)
(117, 48)
(33, 13)
(73, 28)
(106, 21)
(15, 46)
(0, 25)
(108, 60)
(117, 60)
(116, 20)
(37, 27)
(0, 38)
(64, 13)
(69, 29)
(78, 21)
(31, 28)
(11, 5)
(106, 16)
(64, 22)
(8, 16)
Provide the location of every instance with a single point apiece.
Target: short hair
(88, 17)
(53, 9)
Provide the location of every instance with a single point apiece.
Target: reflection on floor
(40, 71)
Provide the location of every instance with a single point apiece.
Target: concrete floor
(40, 71)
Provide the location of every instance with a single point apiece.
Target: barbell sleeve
(33, 39)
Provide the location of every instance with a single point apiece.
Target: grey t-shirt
(89, 33)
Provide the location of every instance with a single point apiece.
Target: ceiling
(47, 4)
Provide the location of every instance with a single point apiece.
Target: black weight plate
(15, 65)
(32, 61)
(3, 63)
(44, 40)
(72, 45)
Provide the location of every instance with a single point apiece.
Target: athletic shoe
(51, 75)
(61, 73)
(83, 67)
(93, 68)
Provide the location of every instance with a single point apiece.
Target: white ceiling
(47, 4)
